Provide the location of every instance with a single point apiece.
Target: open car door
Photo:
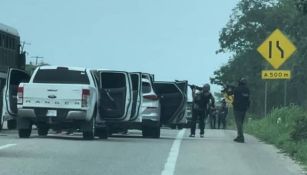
(3, 77)
(172, 101)
(148, 76)
(14, 78)
(115, 95)
(183, 85)
(136, 79)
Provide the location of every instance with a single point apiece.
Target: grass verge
(286, 128)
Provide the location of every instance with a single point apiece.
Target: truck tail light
(20, 91)
(85, 97)
(151, 97)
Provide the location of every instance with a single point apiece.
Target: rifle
(192, 86)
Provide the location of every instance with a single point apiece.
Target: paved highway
(174, 153)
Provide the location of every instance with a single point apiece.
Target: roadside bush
(299, 131)
(284, 127)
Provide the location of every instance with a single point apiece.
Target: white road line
(7, 146)
(170, 165)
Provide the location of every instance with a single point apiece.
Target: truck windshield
(61, 76)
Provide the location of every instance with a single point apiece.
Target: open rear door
(172, 101)
(183, 85)
(115, 95)
(14, 78)
(3, 76)
(136, 79)
(148, 76)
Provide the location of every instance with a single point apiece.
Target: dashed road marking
(7, 146)
(170, 165)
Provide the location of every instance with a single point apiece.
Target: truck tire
(180, 126)
(1, 125)
(156, 132)
(24, 133)
(24, 127)
(173, 126)
(11, 124)
(89, 132)
(145, 131)
(102, 133)
(42, 129)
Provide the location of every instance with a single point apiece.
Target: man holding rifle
(202, 98)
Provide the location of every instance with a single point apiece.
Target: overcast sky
(174, 39)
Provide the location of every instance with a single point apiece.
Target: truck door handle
(51, 96)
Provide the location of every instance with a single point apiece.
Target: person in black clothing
(222, 114)
(212, 118)
(241, 104)
(201, 101)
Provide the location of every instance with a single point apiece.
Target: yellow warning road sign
(277, 49)
(275, 74)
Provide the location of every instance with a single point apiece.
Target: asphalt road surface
(174, 153)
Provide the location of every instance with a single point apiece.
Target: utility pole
(22, 46)
(36, 59)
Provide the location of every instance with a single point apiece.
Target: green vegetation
(285, 128)
(251, 22)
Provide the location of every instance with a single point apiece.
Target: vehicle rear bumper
(153, 118)
(68, 115)
(152, 114)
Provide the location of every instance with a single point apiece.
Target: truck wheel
(102, 133)
(24, 133)
(1, 125)
(180, 126)
(42, 129)
(173, 126)
(145, 132)
(24, 127)
(156, 132)
(89, 131)
(11, 124)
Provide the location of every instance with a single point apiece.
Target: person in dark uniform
(201, 101)
(241, 104)
(212, 117)
(222, 114)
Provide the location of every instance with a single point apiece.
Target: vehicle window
(61, 76)
(18, 77)
(166, 88)
(113, 80)
(146, 87)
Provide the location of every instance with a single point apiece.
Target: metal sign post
(265, 98)
(285, 92)
(276, 50)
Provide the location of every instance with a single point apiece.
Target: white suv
(150, 109)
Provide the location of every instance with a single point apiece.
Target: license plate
(51, 113)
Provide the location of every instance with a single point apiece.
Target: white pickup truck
(59, 98)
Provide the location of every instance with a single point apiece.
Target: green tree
(251, 22)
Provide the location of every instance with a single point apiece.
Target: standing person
(212, 117)
(222, 114)
(241, 104)
(201, 101)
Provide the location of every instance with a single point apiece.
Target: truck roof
(69, 68)
(8, 29)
